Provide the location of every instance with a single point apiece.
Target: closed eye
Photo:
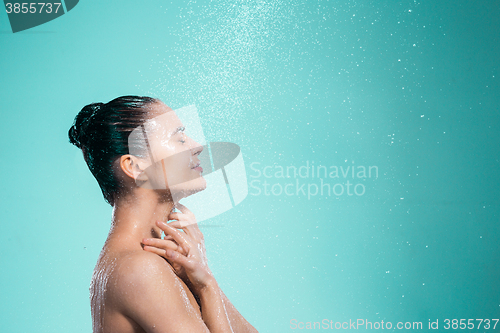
(183, 137)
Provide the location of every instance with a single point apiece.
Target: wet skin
(143, 283)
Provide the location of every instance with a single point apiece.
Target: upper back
(124, 287)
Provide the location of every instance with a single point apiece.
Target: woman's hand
(185, 251)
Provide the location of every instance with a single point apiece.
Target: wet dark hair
(101, 131)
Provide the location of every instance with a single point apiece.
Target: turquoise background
(411, 87)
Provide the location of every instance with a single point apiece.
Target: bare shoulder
(138, 272)
(144, 287)
(142, 264)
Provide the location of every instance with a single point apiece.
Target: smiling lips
(198, 168)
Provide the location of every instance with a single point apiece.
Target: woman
(144, 163)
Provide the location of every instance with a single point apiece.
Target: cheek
(178, 168)
(164, 154)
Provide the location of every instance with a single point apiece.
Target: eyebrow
(177, 130)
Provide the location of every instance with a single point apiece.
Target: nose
(196, 148)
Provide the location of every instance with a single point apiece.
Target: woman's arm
(238, 322)
(171, 249)
(186, 254)
(211, 298)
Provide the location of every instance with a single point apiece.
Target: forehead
(162, 120)
(155, 133)
(157, 109)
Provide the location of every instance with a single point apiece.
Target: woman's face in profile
(172, 157)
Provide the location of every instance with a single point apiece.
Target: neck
(135, 216)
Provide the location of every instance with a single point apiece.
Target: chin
(188, 188)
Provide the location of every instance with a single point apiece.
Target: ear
(131, 167)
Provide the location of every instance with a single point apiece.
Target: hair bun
(78, 132)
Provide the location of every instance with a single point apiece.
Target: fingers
(184, 211)
(155, 250)
(183, 208)
(174, 216)
(161, 245)
(175, 234)
(182, 224)
(177, 258)
(196, 232)
(191, 230)
(183, 219)
(174, 257)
